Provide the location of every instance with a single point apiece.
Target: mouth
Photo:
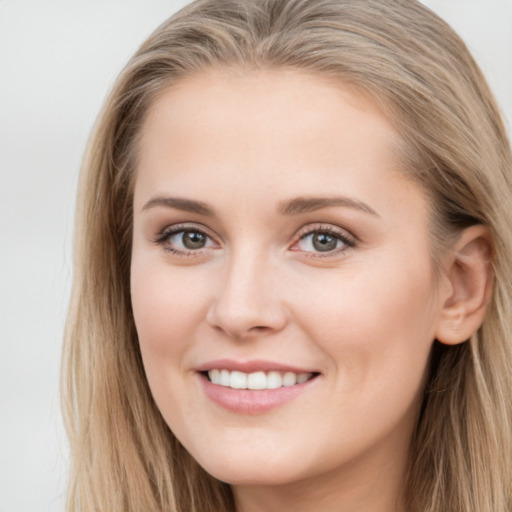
(254, 387)
(256, 381)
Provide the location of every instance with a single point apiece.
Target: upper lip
(255, 365)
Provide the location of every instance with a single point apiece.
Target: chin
(240, 469)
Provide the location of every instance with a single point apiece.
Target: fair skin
(274, 231)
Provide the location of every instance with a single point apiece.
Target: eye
(324, 240)
(188, 240)
(184, 240)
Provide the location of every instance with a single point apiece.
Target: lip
(256, 365)
(248, 401)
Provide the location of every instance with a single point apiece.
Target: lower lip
(247, 401)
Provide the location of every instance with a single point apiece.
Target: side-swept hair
(124, 457)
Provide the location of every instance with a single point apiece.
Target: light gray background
(57, 60)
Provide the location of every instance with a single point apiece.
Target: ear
(469, 275)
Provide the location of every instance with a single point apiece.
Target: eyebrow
(179, 203)
(294, 206)
(311, 204)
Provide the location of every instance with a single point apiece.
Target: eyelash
(348, 240)
(165, 235)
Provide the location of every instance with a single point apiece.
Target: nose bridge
(248, 298)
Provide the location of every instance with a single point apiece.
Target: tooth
(274, 380)
(289, 379)
(257, 380)
(238, 380)
(214, 376)
(224, 378)
(303, 377)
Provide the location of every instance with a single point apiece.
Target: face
(282, 281)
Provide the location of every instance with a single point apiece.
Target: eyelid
(348, 239)
(168, 231)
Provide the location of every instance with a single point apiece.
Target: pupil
(193, 240)
(324, 242)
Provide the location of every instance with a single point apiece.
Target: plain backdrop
(58, 58)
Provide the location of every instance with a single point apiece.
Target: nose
(249, 299)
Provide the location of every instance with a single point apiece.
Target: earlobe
(470, 274)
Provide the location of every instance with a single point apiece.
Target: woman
(291, 286)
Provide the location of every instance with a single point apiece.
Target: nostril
(240, 319)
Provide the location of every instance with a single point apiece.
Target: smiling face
(277, 246)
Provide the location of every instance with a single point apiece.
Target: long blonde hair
(124, 457)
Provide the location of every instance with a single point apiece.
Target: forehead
(264, 98)
(263, 118)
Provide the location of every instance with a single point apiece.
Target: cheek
(376, 325)
(377, 333)
(167, 310)
(166, 307)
